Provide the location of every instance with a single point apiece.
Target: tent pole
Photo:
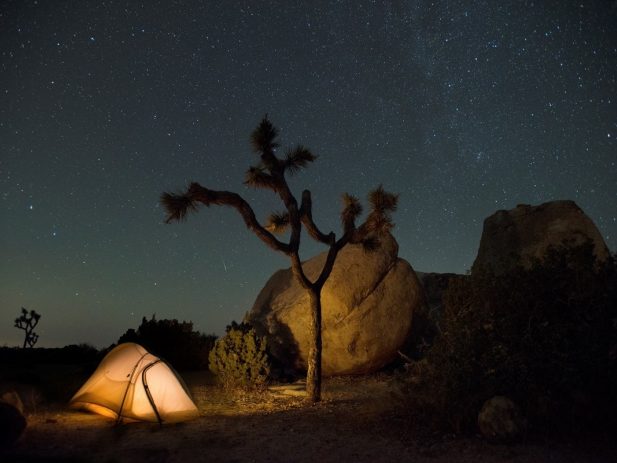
(119, 419)
(147, 389)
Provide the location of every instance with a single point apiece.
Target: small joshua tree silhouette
(27, 321)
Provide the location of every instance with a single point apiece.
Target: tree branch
(306, 215)
(226, 198)
(296, 268)
(328, 266)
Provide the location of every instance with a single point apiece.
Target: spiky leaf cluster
(263, 138)
(382, 204)
(382, 201)
(297, 159)
(278, 222)
(258, 177)
(177, 206)
(351, 211)
(378, 221)
(269, 174)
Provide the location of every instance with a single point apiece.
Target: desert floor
(358, 421)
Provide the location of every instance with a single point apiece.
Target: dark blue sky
(463, 108)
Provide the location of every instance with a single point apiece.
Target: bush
(543, 336)
(239, 359)
(174, 341)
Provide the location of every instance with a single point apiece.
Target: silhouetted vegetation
(27, 321)
(71, 354)
(270, 174)
(240, 359)
(174, 341)
(42, 375)
(545, 336)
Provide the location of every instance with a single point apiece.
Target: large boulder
(367, 307)
(12, 420)
(12, 398)
(521, 234)
(500, 420)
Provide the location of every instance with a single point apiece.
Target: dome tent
(132, 384)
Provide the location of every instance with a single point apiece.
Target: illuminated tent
(132, 384)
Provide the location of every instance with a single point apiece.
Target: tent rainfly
(132, 384)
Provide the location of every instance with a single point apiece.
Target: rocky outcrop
(367, 305)
(500, 420)
(526, 232)
(12, 420)
(427, 318)
(435, 286)
(12, 398)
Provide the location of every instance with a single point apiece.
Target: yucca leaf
(351, 210)
(263, 138)
(297, 158)
(177, 206)
(382, 201)
(257, 177)
(277, 222)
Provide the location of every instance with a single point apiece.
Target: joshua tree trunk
(313, 373)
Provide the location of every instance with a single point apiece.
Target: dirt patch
(358, 420)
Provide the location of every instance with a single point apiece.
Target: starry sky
(462, 107)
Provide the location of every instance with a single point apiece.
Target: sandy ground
(358, 421)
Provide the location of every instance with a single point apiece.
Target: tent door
(128, 385)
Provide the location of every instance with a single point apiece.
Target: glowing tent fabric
(132, 384)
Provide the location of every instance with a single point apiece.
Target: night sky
(463, 108)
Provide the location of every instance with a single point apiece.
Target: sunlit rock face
(525, 232)
(367, 304)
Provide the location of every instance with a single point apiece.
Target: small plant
(27, 321)
(239, 359)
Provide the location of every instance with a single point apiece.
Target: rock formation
(500, 420)
(525, 232)
(12, 420)
(435, 285)
(426, 320)
(367, 305)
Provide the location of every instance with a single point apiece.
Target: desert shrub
(544, 336)
(240, 359)
(174, 341)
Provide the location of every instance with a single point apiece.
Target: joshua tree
(27, 321)
(270, 174)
